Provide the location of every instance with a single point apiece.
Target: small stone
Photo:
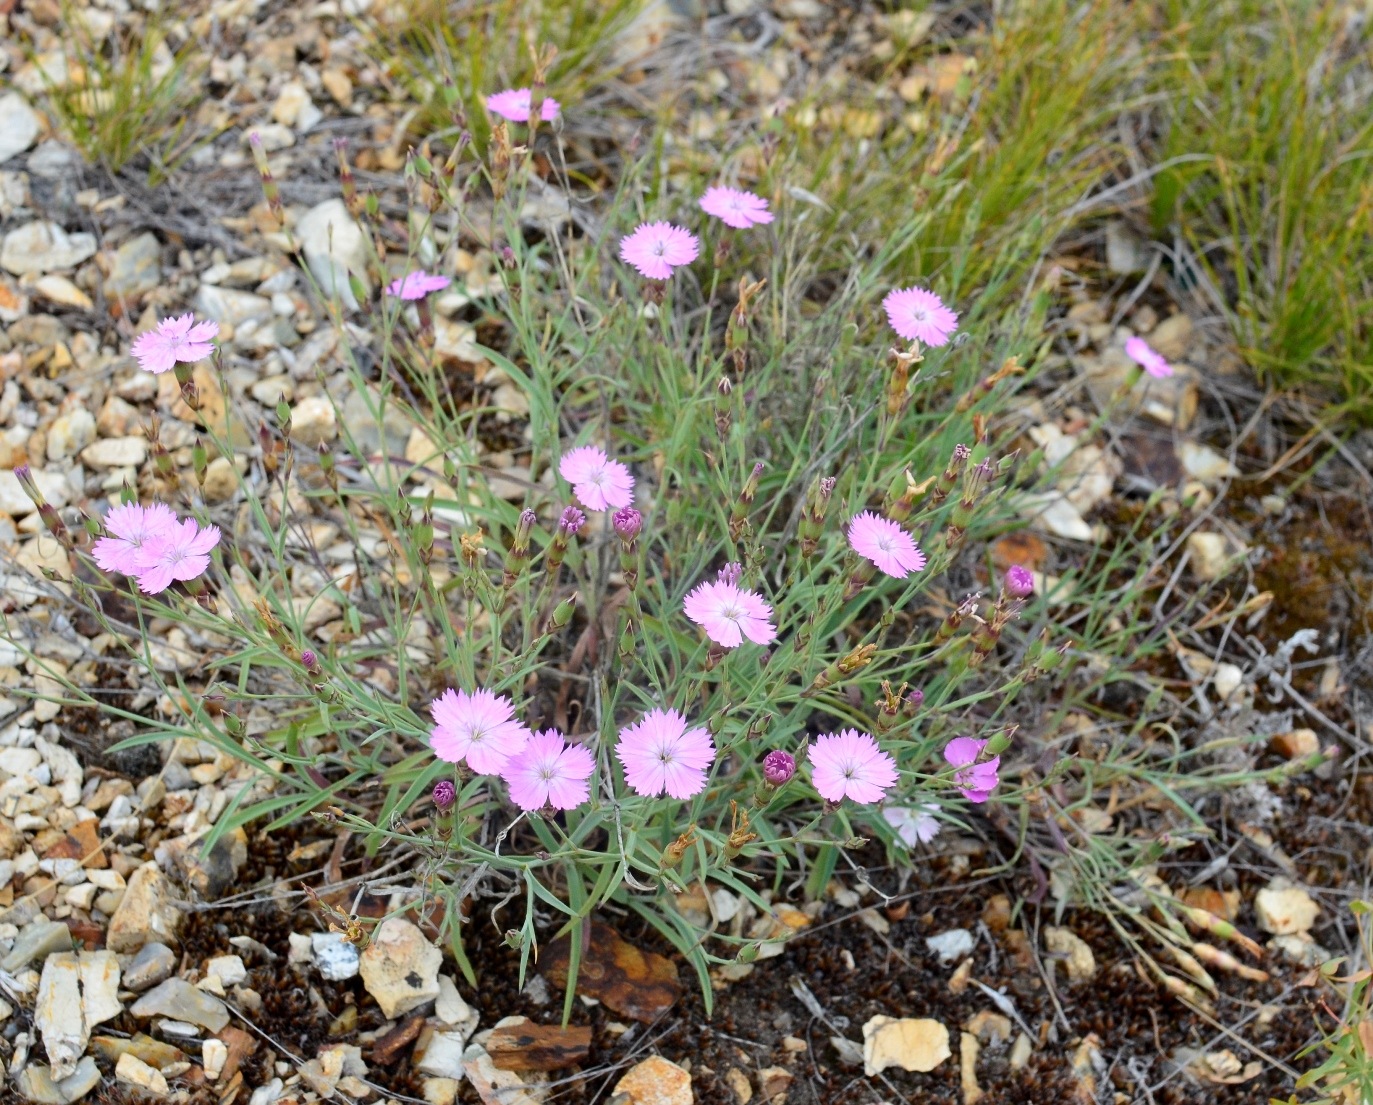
(1080, 961)
(400, 968)
(221, 481)
(517, 1043)
(292, 98)
(450, 1007)
(229, 305)
(992, 1029)
(314, 421)
(1210, 557)
(213, 1055)
(1126, 252)
(1282, 908)
(773, 1083)
(440, 1091)
(1299, 744)
(968, 1049)
(229, 969)
(656, 1081)
(153, 963)
(146, 913)
(443, 1055)
(70, 432)
(36, 941)
(1052, 512)
(1172, 338)
(61, 291)
(36, 1084)
(40, 247)
(178, 999)
(334, 957)
(1205, 464)
(500, 1087)
(1299, 948)
(1021, 1051)
(337, 83)
(911, 1043)
(116, 452)
(132, 1071)
(335, 247)
(19, 125)
(739, 1085)
(57, 1013)
(135, 268)
(950, 946)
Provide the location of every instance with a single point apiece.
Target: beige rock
(501, 1087)
(440, 1091)
(968, 1049)
(911, 1043)
(1052, 512)
(1282, 908)
(739, 1085)
(1021, 1051)
(213, 1055)
(1078, 957)
(656, 1081)
(77, 991)
(400, 968)
(60, 290)
(132, 1071)
(116, 452)
(147, 912)
(1205, 464)
(1210, 556)
(221, 481)
(35, 1083)
(1172, 338)
(314, 421)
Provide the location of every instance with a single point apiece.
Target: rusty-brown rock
(81, 843)
(386, 1047)
(636, 983)
(531, 1046)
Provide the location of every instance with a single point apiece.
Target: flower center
(659, 248)
(731, 613)
(919, 315)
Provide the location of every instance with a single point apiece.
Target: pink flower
(1018, 582)
(549, 772)
(600, 483)
(131, 526)
(416, 285)
(179, 552)
(172, 340)
(728, 615)
(660, 754)
(849, 764)
(740, 210)
(479, 728)
(886, 544)
(920, 315)
(1139, 351)
(975, 780)
(913, 825)
(655, 249)
(514, 104)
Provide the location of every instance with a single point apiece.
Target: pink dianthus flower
(913, 824)
(729, 614)
(480, 728)
(849, 764)
(975, 780)
(655, 249)
(886, 544)
(920, 315)
(1140, 351)
(416, 285)
(740, 210)
(549, 772)
(661, 754)
(514, 104)
(600, 483)
(179, 553)
(172, 340)
(130, 527)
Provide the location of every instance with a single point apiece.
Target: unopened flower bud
(813, 514)
(779, 767)
(627, 522)
(730, 574)
(1018, 582)
(310, 661)
(738, 518)
(914, 700)
(445, 794)
(571, 520)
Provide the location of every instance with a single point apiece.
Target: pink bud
(778, 767)
(1019, 582)
(445, 794)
